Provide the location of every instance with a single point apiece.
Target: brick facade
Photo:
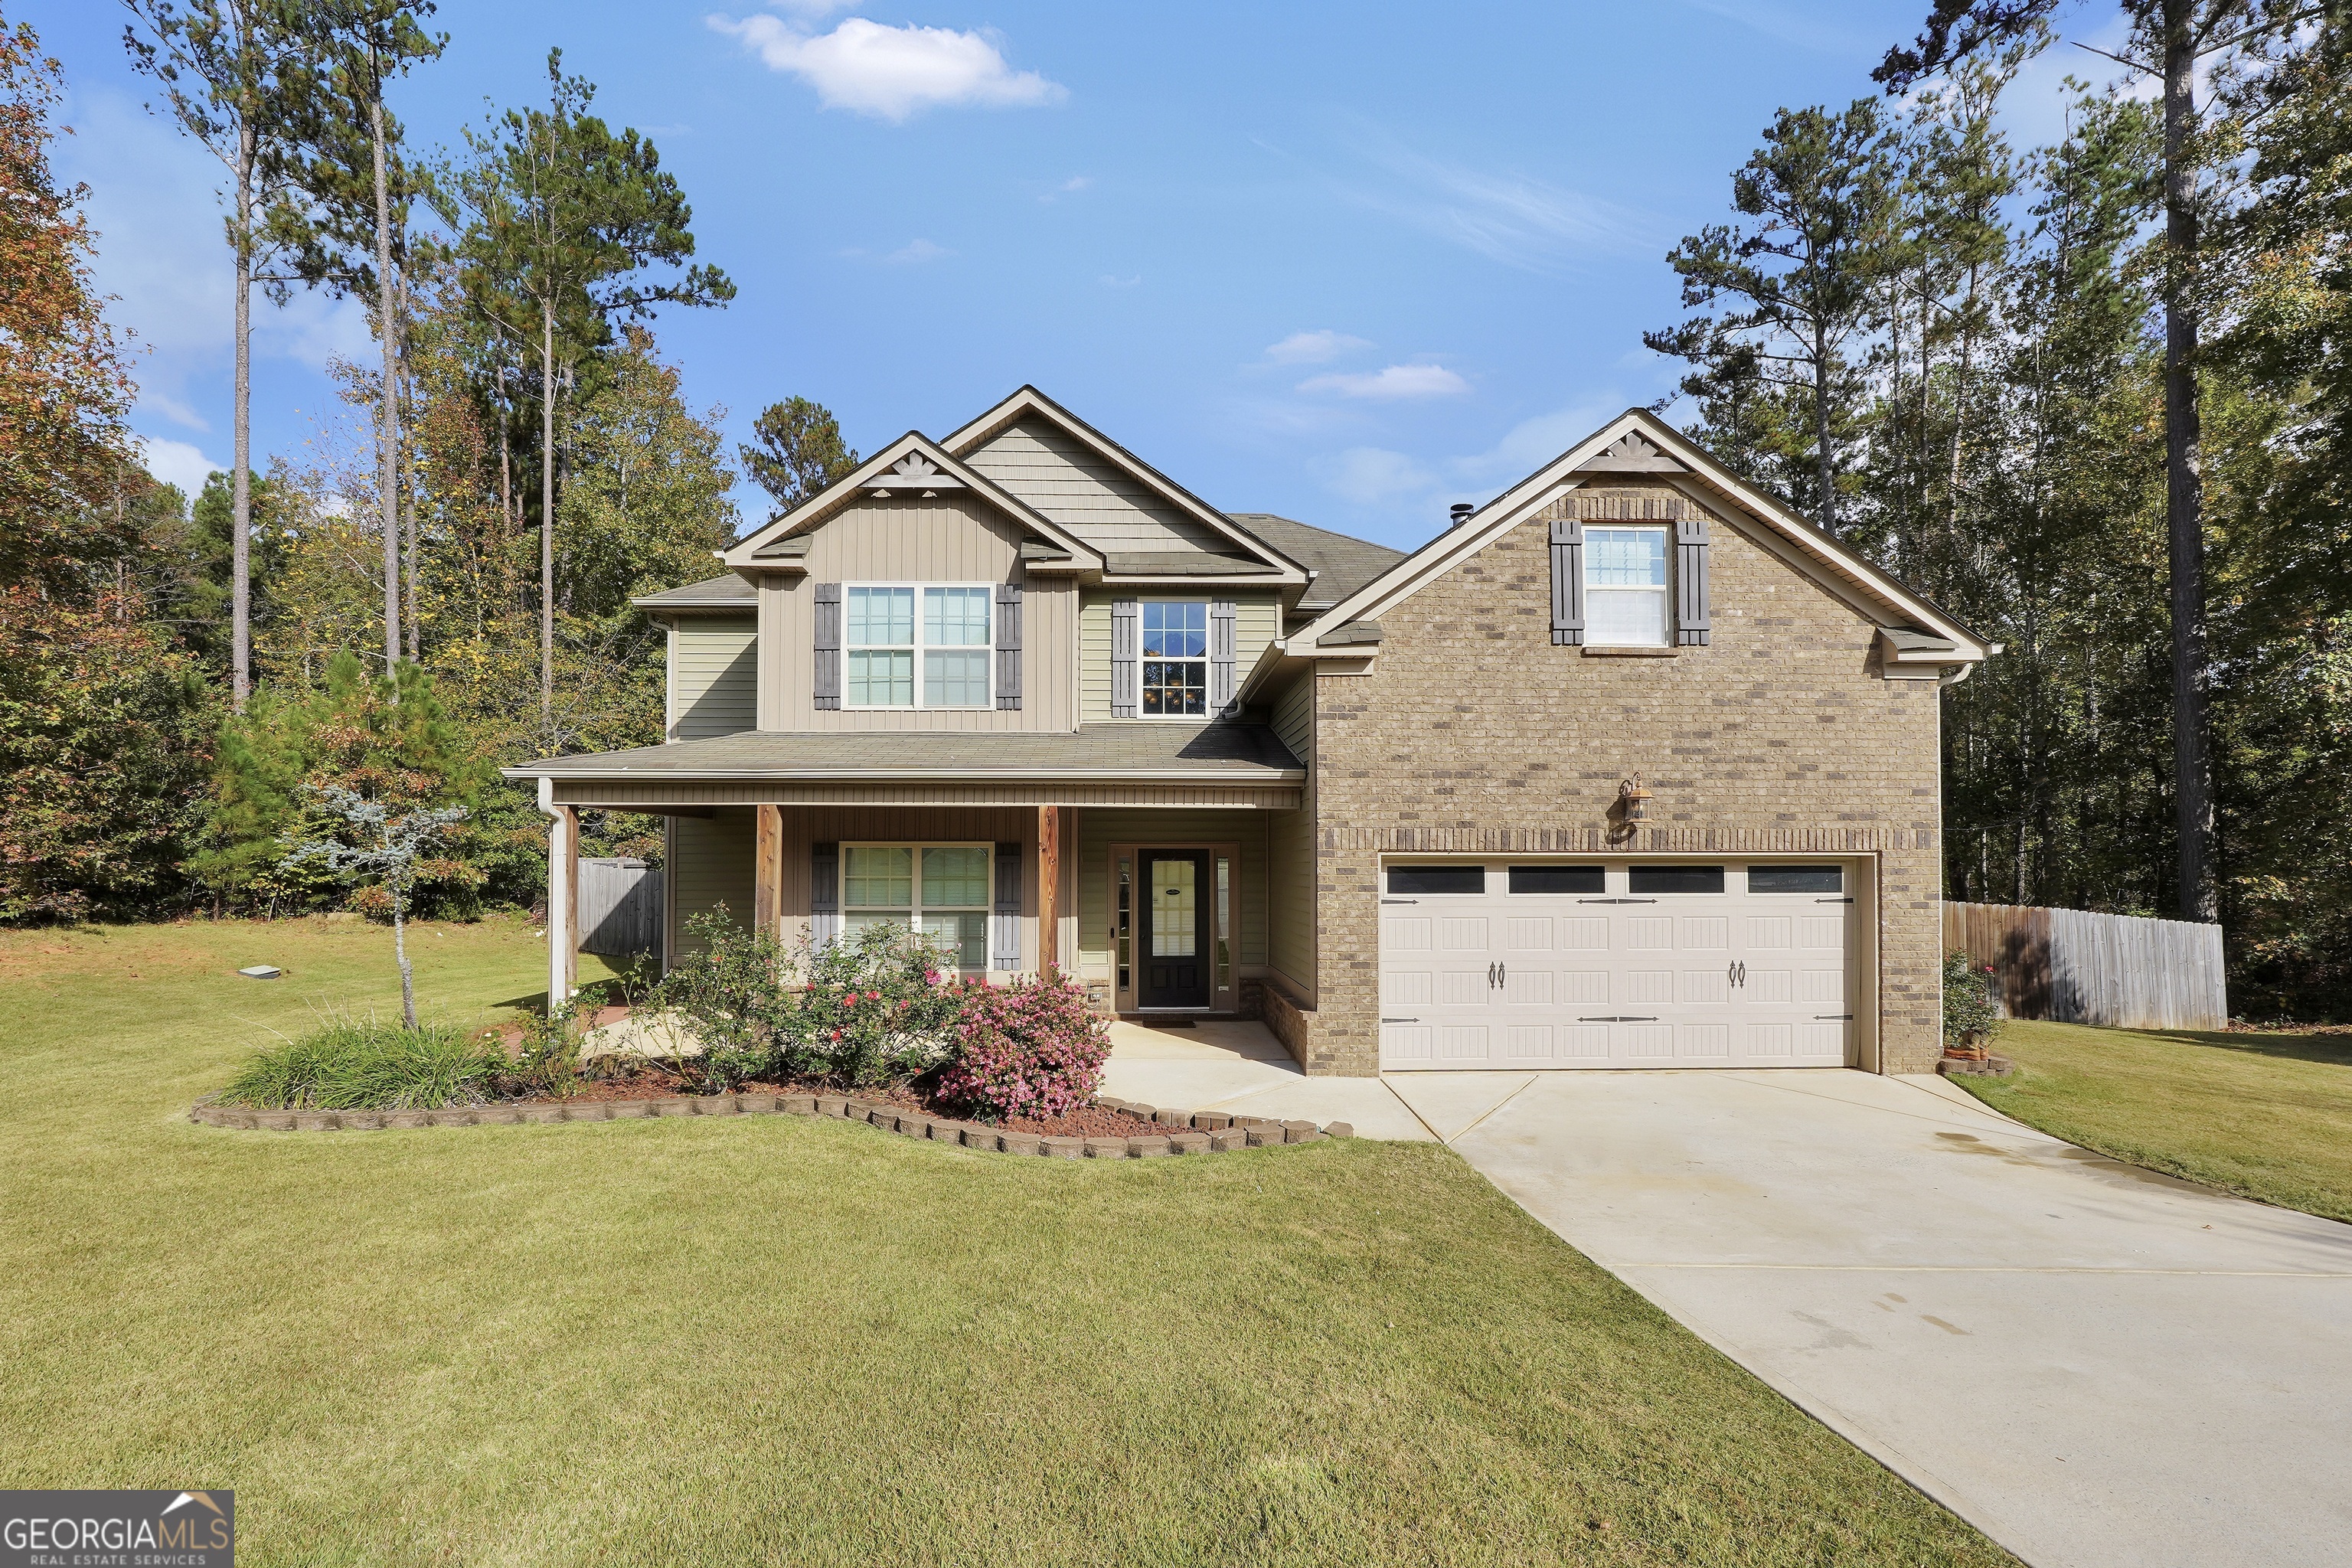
(1473, 732)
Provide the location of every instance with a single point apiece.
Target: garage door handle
(1400, 901)
(1831, 1015)
(1617, 1018)
(1616, 900)
(1832, 900)
(1400, 1020)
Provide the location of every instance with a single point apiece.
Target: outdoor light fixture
(1633, 798)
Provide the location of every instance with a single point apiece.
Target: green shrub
(874, 1005)
(363, 1064)
(1969, 1008)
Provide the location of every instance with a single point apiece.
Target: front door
(1175, 968)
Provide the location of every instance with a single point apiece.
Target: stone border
(1188, 1131)
(1989, 1066)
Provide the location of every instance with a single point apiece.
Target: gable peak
(1632, 453)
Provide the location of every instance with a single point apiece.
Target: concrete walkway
(1240, 1066)
(2092, 1363)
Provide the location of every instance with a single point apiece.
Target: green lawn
(2268, 1116)
(780, 1340)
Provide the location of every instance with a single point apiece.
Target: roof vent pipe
(1461, 511)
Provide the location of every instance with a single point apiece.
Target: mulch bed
(1087, 1121)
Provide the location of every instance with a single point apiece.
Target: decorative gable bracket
(913, 472)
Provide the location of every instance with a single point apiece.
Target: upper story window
(1176, 658)
(917, 646)
(1625, 587)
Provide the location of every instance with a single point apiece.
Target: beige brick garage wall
(1472, 732)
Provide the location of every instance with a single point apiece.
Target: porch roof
(1109, 761)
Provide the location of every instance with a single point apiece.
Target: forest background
(1964, 357)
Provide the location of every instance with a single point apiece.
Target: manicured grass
(2268, 1116)
(778, 1340)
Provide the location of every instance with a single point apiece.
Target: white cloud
(1531, 442)
(1313, 348)
(179, 463)
(1113, 280)
(1516, 219)
(892, 72)
(1371, 476)
(916, 252)
(1788, 23)
(1395, 383)
(172, 408)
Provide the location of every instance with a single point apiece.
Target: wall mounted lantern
(1633, 798)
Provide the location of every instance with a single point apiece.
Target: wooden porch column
(562, 899)
(1049, 887)
(767, 869)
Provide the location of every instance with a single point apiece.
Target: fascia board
(1029, 400)
(839, 494)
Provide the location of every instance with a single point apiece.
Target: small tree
(390, 852)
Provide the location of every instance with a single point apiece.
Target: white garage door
(1521, 964)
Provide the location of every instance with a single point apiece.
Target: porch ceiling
(1220, 763)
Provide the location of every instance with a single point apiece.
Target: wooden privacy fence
(620, 907)
(2075, 966)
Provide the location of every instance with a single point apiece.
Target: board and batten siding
(1100, 828)
(710, 865)
(1290, 852)
(1257, 615)
(714, 675)
(1079, 490)
(951, 538)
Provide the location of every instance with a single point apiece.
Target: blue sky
(1345, 263)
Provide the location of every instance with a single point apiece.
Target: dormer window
(918, 644)
(1175, 659)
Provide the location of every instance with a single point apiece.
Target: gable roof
(1638, 441)
(1028, 403)
(1341, 563)
(913, 462)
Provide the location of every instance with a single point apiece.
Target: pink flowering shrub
(1028, 1050)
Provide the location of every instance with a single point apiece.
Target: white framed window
(910, 645)
(940, 889)
(1625, 587)
(1175, 659)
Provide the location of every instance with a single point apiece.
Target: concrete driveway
(2092, 1363)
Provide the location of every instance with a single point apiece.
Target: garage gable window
(1625, 587)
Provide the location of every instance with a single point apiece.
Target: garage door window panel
(1796, 879)
(1419, 880)
(1534, 880)
(1674, 880)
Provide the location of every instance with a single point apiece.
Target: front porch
(1148, 873)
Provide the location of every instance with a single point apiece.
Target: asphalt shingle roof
(1342, 563)
(1223, 750)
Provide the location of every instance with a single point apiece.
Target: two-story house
(1631, 767)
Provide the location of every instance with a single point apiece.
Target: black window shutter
(824, 892)
(1006, 938)
(1008, 644)
(828, 646)
(1694, 618)
(1125, 627)
(1566, 582)
(1221, 659)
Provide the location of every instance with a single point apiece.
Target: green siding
(1100, 828)
(1290, 848)
(711, 864)
(1257, 614)
(714, 677)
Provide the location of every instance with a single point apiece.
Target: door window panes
(1625, 587)
(1176, 658)
(1558, 879)
(1175, 908)
(1796, 879)
(1437, 878)
(1674, 880)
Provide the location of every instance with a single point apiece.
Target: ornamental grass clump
(1030, 1049)
(364, 1064)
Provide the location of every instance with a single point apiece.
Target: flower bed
(1159, 1131)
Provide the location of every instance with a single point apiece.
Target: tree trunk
(547, 508)
(2184, 485)
(1823, 460)
(415, 557)
(399, 950)
(388, 441)
(240, 574)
